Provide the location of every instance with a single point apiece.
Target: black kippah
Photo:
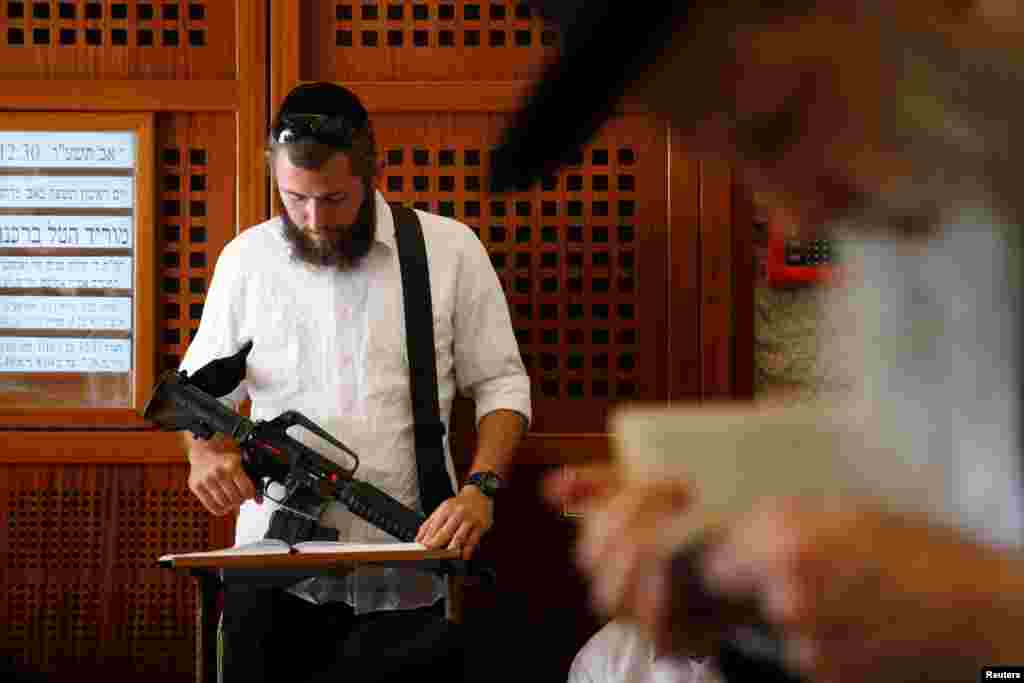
(323, 98)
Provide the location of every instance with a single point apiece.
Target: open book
(270, 547)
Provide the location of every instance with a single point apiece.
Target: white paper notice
(44, 354)
(65, 313)
(66, 232)
(66, 149)
(66, 272)
(66, 192)
(67, 257)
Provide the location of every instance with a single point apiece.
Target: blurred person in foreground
(897, 122)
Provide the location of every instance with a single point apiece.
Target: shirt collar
(385, 222)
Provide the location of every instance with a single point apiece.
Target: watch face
(488, 482)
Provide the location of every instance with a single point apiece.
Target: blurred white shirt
(619, 653)
(935, 347)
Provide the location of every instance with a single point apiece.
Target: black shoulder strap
(435, 485)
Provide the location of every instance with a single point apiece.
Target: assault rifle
(181, 402)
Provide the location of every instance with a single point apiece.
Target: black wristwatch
(488, 482)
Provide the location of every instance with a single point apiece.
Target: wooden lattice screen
(422, 41)
(440, 79)
(81, 588)
(196, 169)
(116, 40)
(569, 253)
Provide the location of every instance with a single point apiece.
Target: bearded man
(319, 292)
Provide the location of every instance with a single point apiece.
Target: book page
(268, 546)
(342, 547)
(735, 456)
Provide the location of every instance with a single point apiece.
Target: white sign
(66, 149)
(66, 192)
(70, 232)
(65, 313)
(66, 272)
(42, 354)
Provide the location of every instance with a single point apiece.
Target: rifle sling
(435, 484)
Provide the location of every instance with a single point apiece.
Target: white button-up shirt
(619, 653)
(331, 344)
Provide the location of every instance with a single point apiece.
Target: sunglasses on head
(329, 129)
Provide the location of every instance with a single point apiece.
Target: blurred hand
(459, 522)
(630, 531)
(856, 592)
(860, 594)
(582, 485)
(216, 476)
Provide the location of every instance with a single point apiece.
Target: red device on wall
(794, 256)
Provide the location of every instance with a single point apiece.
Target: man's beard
(339, 246)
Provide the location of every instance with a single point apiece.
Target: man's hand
(216, 476)
(862, 594)
(459, 522)
(629, 533)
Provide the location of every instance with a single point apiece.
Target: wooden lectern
(287, 566)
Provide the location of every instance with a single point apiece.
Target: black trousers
(271, 635)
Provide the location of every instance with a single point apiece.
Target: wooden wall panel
(113, 39)
(196, 164)
(717, 279)
(582, 257)
(252, 106)
(78, 546)
(684, 340)
(84, 514)
(353, 40)
(540, 598)
(744, 266)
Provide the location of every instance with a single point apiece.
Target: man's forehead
(337, 166)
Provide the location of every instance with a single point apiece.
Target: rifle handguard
(378, 508)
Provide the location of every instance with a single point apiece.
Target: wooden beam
(253, 70)
(152, 447)
(286, 55)
(564, 449)
(716, 287)
(117, 95)
(285, 67)
(448, 97)
(744, 281)
(91, 447)
(684, 277)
